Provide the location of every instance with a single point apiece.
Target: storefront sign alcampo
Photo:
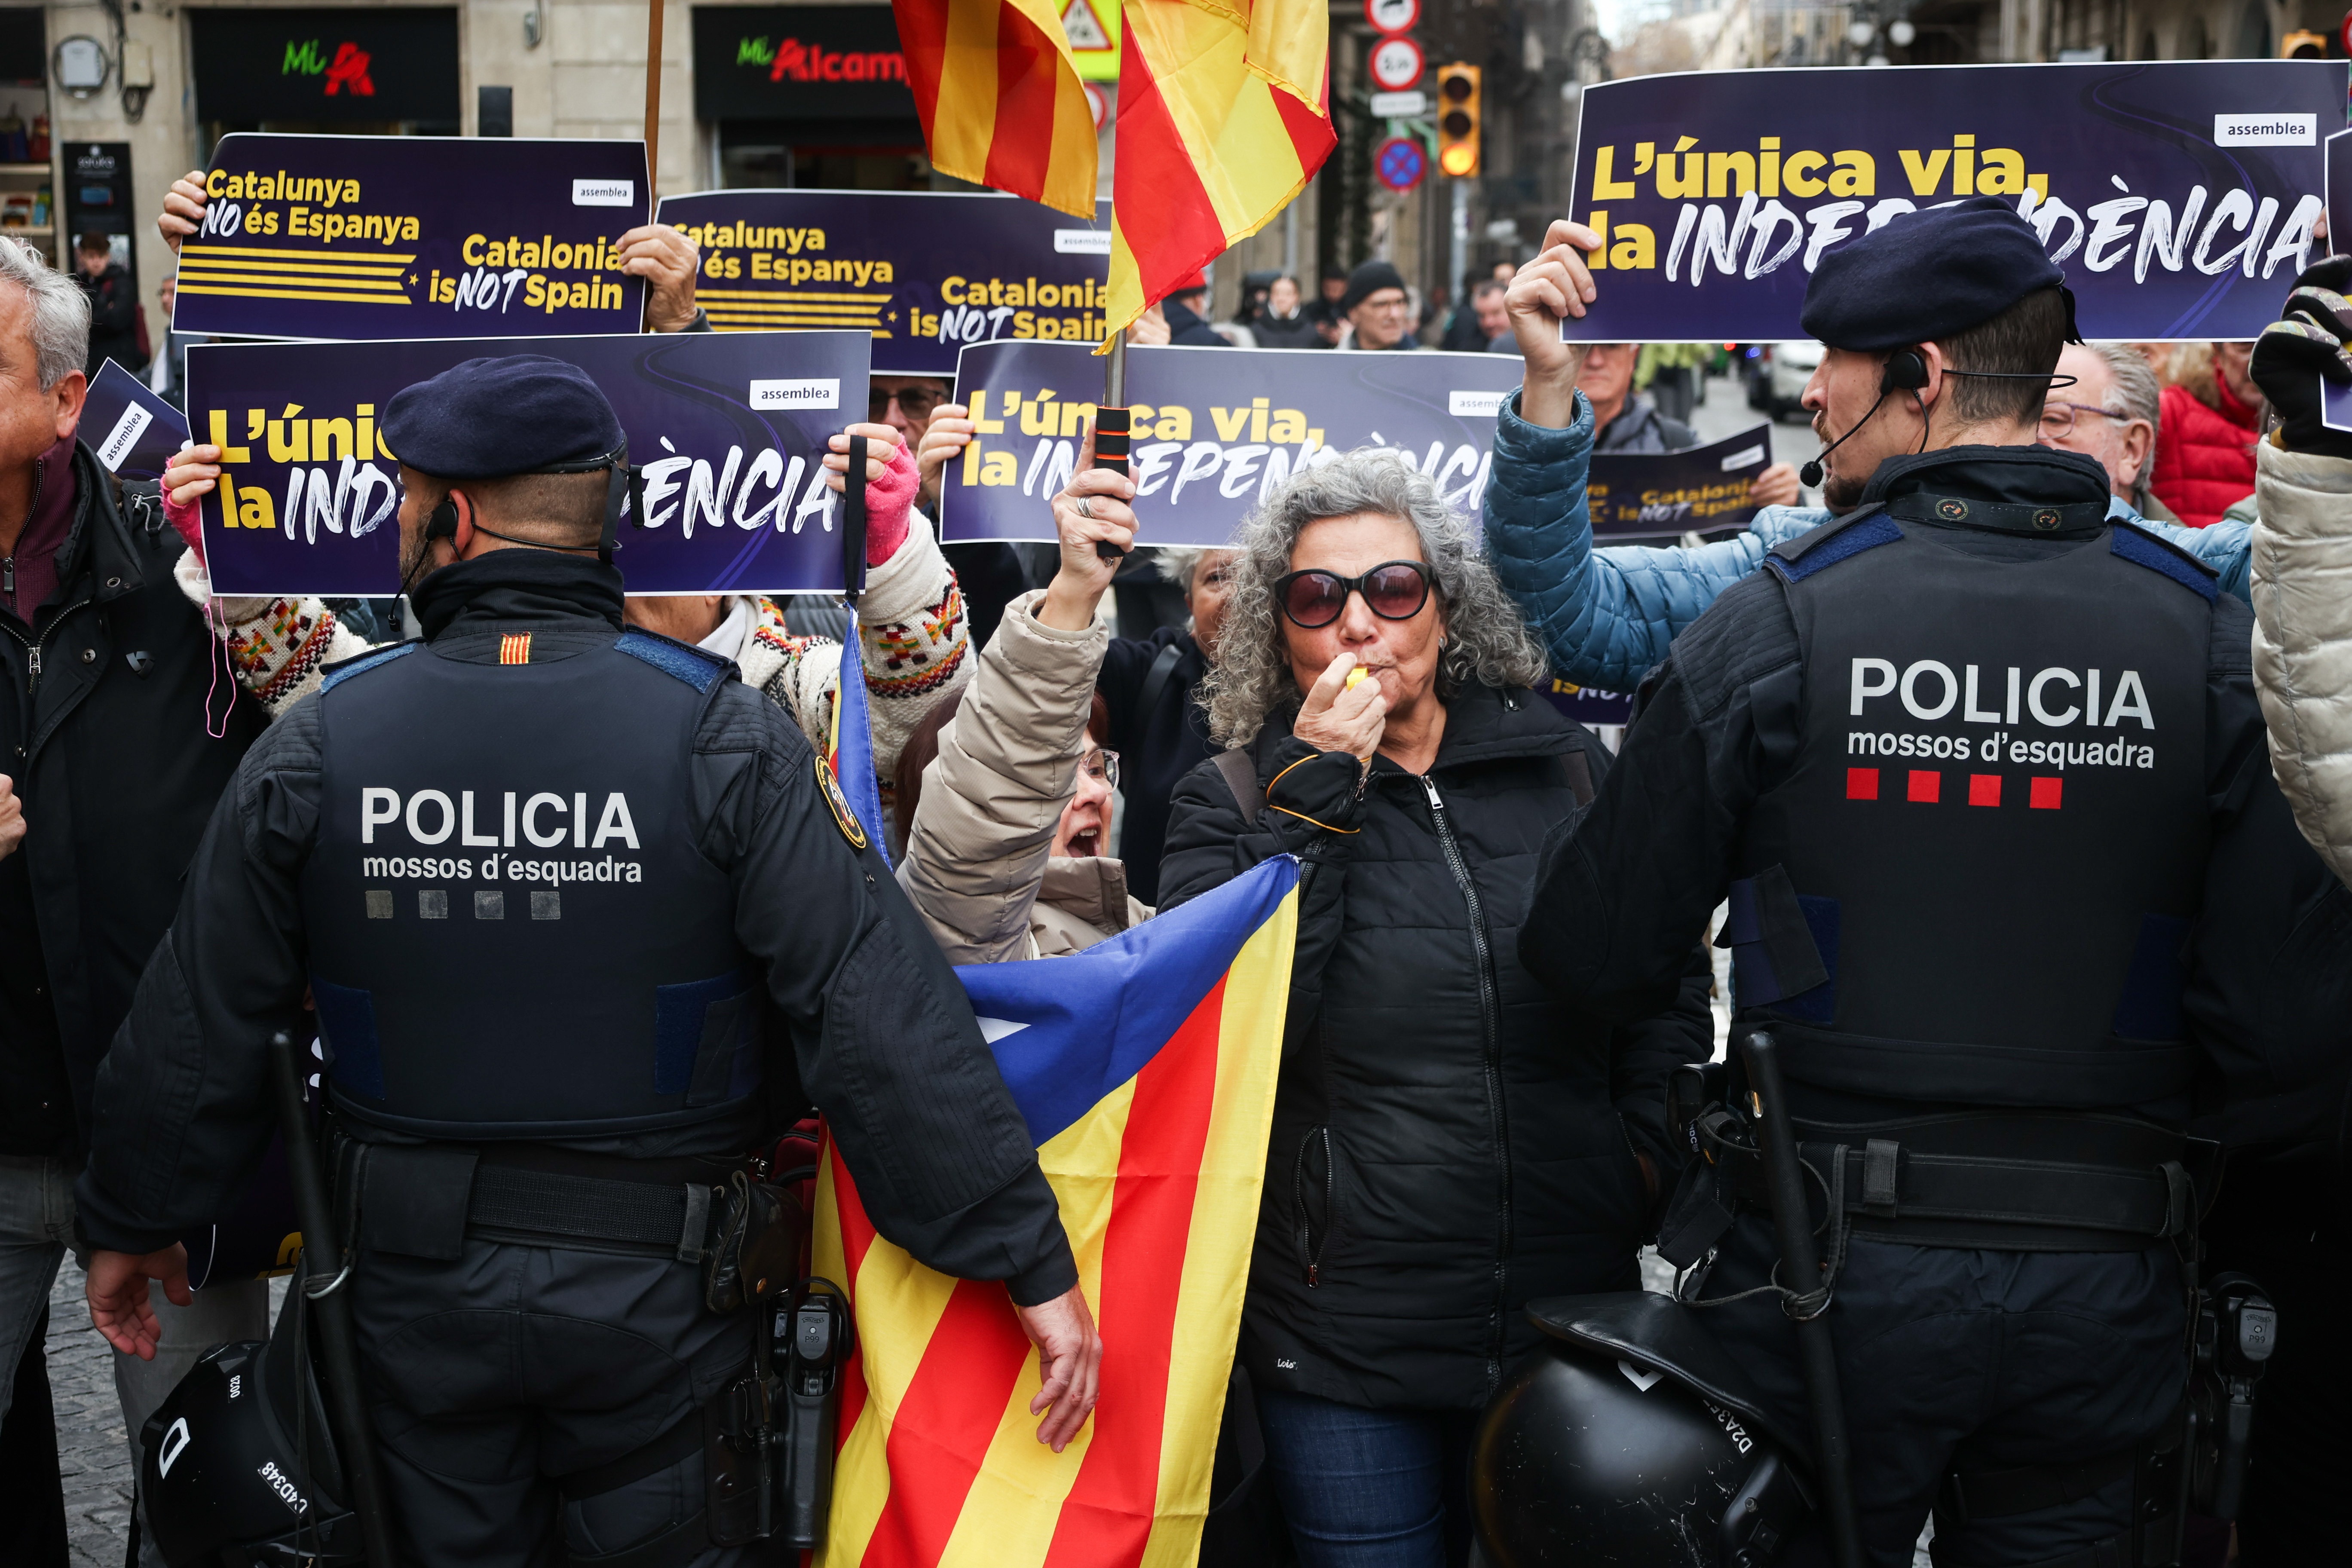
(346, 64)
(792, 60)
(800, 63)
(347, 68)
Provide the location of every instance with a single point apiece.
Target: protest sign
(1645, 495)
(132, 431)
(377, 238)
(730, 431)
(925, 273)
(2338, 149)
(1212, 429)
(2335, 405)
(2178, 197)
(1587, 704)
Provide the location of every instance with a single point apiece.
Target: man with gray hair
(107, 742)
(2109, 415)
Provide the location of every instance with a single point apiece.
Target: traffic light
(2304, 47)
(1457, 119)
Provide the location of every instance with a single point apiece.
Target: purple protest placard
(129, 428)
(2335, 405)
(2338, 152)
(1646, 495)
(378, 237)
(926, 272)
(1587, 704)
(2179, 196)
(1212, 429)
(731, 432)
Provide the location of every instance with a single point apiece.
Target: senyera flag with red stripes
(1145, 1068)
(1223, 117)
(1000, 98)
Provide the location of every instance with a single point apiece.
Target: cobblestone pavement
(93, 1454)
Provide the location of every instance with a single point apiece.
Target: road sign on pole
(1401, 162)
(1396, 64)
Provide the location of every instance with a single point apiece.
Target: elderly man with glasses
(2109, 415)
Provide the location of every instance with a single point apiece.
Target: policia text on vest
(544, 820)
(2054, 698)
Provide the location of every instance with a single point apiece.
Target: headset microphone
(1906, 371)
(1813, 473)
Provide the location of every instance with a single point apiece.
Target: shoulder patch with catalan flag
(515, 649)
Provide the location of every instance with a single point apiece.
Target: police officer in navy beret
(585, 927)
(1981, 777)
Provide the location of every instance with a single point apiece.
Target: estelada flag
(850, 755)
(1145, 1068)
(1223, 118)
(1000, 98)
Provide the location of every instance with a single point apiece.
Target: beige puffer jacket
(2301, 572)
(976, 863)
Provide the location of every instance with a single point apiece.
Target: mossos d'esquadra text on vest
(543, 821)
(2113, 702)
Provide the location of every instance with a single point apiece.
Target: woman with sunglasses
(1449, 1143)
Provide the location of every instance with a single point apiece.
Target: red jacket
(2204, 456)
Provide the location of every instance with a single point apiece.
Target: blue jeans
(1369, 1489)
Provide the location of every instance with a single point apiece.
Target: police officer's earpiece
(442, 521)
(1906, 371)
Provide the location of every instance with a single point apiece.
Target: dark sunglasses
(1393, 590)
(914, 402)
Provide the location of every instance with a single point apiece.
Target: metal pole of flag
(653, 97)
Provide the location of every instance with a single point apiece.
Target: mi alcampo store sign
(799, 62)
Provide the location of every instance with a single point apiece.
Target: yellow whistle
(1355, 675)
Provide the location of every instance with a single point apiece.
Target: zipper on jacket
(32, 646)
(1308, 1248)
(1488, 1006)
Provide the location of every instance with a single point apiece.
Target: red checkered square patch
(1984, 789)
(1862, 783)
(1925, 786)
(2043, 794)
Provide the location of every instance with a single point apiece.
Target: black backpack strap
(1156, 678)
(1240, 771)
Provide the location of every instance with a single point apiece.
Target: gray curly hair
(1485, 639)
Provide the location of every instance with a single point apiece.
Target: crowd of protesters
(1451, 1140)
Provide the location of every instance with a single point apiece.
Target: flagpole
(1110, 427)
(653, 97)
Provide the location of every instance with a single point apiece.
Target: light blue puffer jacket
(1606, 615)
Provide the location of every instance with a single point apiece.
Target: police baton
(331, 1309)
(1816, 1354)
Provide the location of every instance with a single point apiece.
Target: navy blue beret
(488, 418)
(1927, 275)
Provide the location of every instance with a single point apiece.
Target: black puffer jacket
(111, 751)
(1449, 1143)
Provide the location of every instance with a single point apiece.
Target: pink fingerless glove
(889, 500)
(187, 521)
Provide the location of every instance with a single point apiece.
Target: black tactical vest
(511, 933)
(1977, 882)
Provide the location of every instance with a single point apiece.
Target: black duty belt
(425, 1200)
(539, 1208)
(2090, 1184)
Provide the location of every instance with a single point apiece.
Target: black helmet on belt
(238, 1468)
(1629, 1436)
